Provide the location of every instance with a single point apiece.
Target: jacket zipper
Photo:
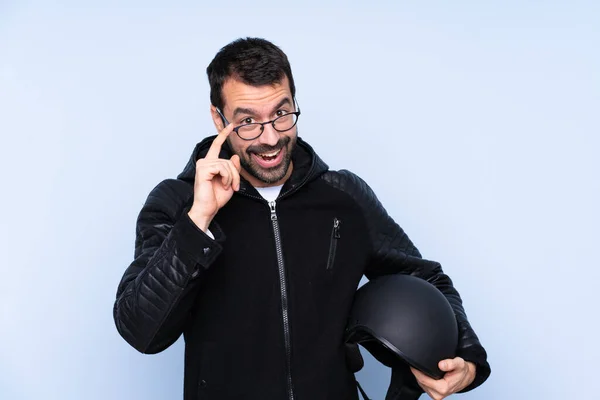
(284, 300)
(335, 235)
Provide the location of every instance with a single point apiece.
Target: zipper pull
(336, 228)
(272, 207)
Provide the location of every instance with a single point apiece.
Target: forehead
(239, 94)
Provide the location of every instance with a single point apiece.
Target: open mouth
(269, 156)
(270, 159)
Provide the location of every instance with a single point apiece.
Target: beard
(268, 175)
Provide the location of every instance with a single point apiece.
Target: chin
(269, 176)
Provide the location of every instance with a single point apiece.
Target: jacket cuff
(477, 356)
(193, 245)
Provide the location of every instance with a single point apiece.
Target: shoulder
(350, 183)
(360, 192)
(169, 196)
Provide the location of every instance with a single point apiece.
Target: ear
(217, 120)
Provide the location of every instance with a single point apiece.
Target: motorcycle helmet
(403, 321)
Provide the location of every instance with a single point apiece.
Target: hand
(211, 193)
(459, 375)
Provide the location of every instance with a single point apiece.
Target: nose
(270, 136)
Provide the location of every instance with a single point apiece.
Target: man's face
(266, 160)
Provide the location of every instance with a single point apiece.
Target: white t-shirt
(268, 193)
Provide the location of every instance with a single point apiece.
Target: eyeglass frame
(262, 124)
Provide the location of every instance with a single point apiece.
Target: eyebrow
(249, 111)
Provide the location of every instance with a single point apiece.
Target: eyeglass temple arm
(297, 105)
(225, 122)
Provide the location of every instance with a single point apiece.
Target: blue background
(476, 123)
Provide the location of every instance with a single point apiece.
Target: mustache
(263, 148)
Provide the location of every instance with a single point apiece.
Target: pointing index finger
(215, 147)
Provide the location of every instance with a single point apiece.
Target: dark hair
(253, 61)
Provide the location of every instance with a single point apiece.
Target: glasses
(254, 130)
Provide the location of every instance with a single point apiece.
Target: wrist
(472, 371)
(201, 221)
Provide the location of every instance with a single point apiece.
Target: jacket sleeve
(393, 252)
(157, 290)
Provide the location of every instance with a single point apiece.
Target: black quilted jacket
(263, 307)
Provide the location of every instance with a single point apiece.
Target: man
(255, 250)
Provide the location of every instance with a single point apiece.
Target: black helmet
(403, 321)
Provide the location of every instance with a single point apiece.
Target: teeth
(270, 154)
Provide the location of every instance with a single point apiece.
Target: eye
(247, 120)
(279, 113)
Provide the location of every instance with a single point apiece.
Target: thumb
(235, 159)
(446, 365)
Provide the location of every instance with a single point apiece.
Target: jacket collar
(307, 164)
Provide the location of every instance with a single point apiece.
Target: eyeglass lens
(281, 124)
